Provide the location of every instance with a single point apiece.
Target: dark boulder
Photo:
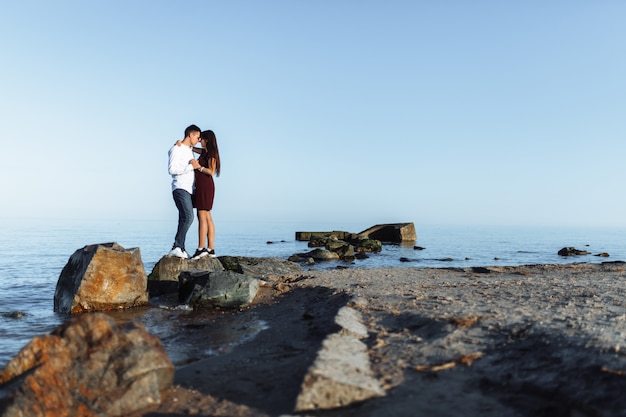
(569, 251)
(222, 289)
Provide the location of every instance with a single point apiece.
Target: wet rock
(362, 244)
(158, 288)
(187, 282)
(320, 255)
(344, 249)
(89, 366)
(318, 242)
(569, 251)
(341, 248)
(222, 289)
(101, 277)
(14, 314)
(603, 255)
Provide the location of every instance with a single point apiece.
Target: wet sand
(495, 341)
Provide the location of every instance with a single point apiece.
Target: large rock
(222, 289)
(101, 277)
(90, 366)
(269, 269)
(169, 267)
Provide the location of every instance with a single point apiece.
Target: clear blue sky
(447, 112)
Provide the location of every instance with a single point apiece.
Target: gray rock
(321, 255)
(223, 289)
(101, 277)
(189, 280)
(302, 259)
(261, 268)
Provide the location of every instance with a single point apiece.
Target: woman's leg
(203, 227)
(211, 230)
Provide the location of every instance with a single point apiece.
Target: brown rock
(101, 277)
(89, 366)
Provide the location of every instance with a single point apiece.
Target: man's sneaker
(178, 252)
(211, 253)
(200, 253)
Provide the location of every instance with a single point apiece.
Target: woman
(205, 191)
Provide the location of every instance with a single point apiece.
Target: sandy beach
(539, 340)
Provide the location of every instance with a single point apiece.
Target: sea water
(35, 252)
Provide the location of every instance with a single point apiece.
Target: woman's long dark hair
(212, 150)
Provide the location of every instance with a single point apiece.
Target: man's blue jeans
(185, 216)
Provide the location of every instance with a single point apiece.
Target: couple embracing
(193, 186)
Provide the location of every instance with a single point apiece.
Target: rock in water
(90, 366)
(101, 277)
(569, 251)
(223, 289)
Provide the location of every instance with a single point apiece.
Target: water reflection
(189, 335)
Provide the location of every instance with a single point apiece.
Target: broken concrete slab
(395, 232)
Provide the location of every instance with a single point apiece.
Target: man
(181, 167)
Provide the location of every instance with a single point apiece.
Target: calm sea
(35, 252)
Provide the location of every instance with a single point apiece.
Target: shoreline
(488, 341)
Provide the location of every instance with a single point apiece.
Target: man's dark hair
(192, 128)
